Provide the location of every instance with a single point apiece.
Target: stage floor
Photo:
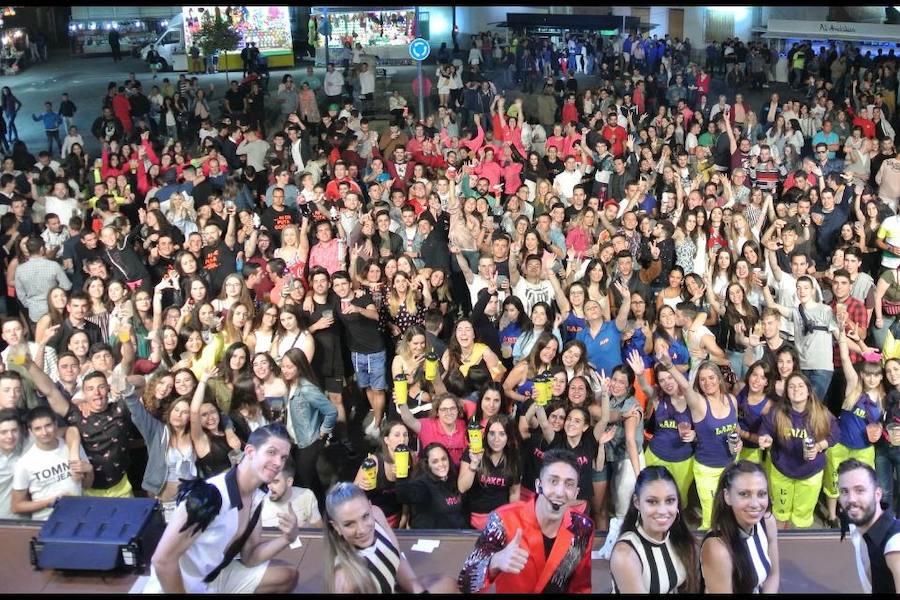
(811, 562)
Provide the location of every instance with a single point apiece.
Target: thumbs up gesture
(513, 558)
(287, 523)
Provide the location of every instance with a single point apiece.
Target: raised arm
(770, 302)
(198, 436)
(47, 388)
(625, 308)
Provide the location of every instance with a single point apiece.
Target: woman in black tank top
(211, 445)
(384, 494)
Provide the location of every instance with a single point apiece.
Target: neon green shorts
(794, 500)
(754, 455)
(120, 490)
(706, 479)
(682, 472)
(837, 454)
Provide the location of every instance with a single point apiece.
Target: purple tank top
(666, 442)
(712, 437)
(750, 416)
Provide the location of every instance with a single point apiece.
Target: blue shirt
(605, 350)
(827, 139)
(51, 120)
(853, 422)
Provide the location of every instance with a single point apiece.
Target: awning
(830, 30)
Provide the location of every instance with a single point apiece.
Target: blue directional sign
(419, 49)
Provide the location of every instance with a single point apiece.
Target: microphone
(554, 505)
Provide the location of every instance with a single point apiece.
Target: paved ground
(85, 79)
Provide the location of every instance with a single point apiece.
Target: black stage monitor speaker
(99, 534)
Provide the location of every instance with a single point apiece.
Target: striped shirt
(661, 569)
(758, 548)
(766, 175)
(383, 558)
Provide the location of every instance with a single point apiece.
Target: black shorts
(334, 385)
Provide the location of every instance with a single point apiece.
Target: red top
(455, 443)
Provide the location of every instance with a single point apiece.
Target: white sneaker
(372, 430)
(615, 525)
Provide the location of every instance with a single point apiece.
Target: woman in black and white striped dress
(363, 555)
(739, 555)
(656, 552)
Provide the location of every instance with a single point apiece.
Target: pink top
(456, 444)
(325, 255)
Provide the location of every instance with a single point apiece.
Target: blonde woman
(238, 323)
(410, 361)
(234, 291)
(580, 237)
(739, 232)
(362, 553)
(294, 250)
(180, 213)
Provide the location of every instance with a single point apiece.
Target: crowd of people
(667, 292)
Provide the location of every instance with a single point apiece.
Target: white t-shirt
(64, 209)
(7, 470)
(532, 294)
(367, 82)
(44, 474)
(303, 502)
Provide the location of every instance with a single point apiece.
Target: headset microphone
(554, 505)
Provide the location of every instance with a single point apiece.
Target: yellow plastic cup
(401, 461)
(401, 389)
(431, 368)
(476, 443)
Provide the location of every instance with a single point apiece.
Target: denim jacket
(312, 414)
(156, 435)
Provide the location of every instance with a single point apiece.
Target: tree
(215, 34)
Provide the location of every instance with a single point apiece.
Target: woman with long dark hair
(513, 322)
(799, 431)
(755, 401)
(383, 493)
(432, 494)
(311, 416)
(491, 478)
(213, 447)
(464, 352)
(542, 321)
(656, 551)
(248, 411)
(739, 555)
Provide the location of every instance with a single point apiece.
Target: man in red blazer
(513, 553)
(400, 170)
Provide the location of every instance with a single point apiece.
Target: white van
(170, 46)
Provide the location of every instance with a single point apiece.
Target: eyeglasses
(448, 409)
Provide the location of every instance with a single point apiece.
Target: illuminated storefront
(268, 26)
(385, 33)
